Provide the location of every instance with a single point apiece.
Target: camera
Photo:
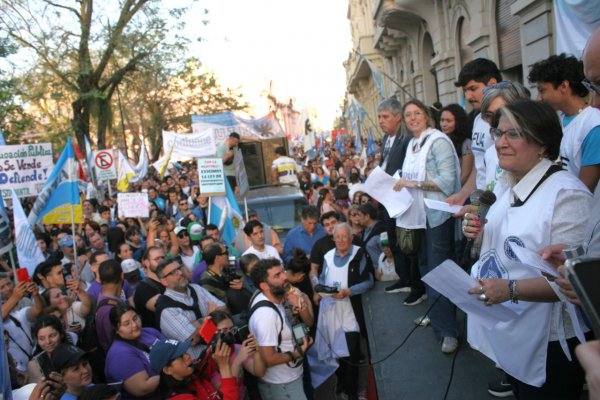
(230, 272)
(232, 336)
(300, 331)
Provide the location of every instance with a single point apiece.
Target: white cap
(130, 265)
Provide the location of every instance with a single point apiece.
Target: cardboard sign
(211, 177)
(133, 205)
(25, 168)
(104, 165)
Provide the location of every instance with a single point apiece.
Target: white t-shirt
(481, 141)
(269, 252)
(286, 170)
(190, 261)
(21, 343)
(265, 326)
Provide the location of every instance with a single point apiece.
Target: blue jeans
(438, 247)
(282, 391)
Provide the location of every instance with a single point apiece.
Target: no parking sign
(104, 164)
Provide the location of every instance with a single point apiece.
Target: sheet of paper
(380, 186)
(441, 206)
(453, 282)
(533, 259)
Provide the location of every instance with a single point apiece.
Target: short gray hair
(391, 104)
(342, 225)
(509, 91)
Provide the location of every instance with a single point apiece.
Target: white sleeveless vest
(415, 169)
(338, 277)
(573, 136)
(520, 345)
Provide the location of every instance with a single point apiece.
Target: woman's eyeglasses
(511, 134)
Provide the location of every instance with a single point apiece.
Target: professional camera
(232, 336)
(300, 331)
(230, 273)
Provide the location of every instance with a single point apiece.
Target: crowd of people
(163, 307)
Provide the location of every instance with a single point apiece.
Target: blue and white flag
(141, 169)
(28, 250)
(59, 199)
(371, 148)
(5, 390)
(226, 214)
(340, 144)
(2, 141)
(377, 78)
(5, 233)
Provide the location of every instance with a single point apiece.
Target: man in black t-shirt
(148, 290)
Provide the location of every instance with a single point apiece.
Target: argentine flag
(226, 214)
(61, 193)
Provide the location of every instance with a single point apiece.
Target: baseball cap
(383, 239)
(131, 268)
(179, 229)
(166, 350)
(195, 230)
(66, 241)
(66, 355)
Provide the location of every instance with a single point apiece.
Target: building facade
(420, 46)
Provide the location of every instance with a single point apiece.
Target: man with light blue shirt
(305, 235)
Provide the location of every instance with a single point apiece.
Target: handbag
(408, 240)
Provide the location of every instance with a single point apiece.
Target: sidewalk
(419, 370)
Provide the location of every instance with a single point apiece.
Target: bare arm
(589, 176)
(141, 385)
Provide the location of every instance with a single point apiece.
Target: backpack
(163, 302)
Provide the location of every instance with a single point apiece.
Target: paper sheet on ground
(441, 206)
(533, 259)
(453, 282)
(380, 186)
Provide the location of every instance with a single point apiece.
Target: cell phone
(207, 330)
(242, 333)
(23, 275)
(584, 274)
(43, 360)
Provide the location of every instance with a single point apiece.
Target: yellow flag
(125, 174)
(163, 169)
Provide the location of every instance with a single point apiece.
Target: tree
(80, 46)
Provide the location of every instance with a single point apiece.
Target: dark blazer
(397, 153)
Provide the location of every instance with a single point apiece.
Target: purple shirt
(104, 328)
(198, 271)
(95, 289)
(124, 360)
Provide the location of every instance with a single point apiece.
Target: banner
(60, 193)
(224, 123)
(28, 250)
(25, 168)
(190, 145)
(211, 177)
(575, 22)
(133, 205)
(240, 173)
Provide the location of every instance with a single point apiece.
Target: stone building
(421, 45)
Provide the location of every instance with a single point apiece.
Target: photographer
(277, 343)
(222, 280)
(226, 152)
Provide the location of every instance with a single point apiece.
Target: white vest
(480, 141)
(573, 136)
(415, 169)
(520, 345)
(338, 277)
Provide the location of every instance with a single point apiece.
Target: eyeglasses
(177, 270)
(511, 134)
(499, 85)
(591, 86)
(414, 114)
(183, 234)
(183, 203)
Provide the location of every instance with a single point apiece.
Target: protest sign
(189, 145)
(224, 123)
(133, 205)
(25, 168)
(240, 173)
(105, 165)
(211, 177)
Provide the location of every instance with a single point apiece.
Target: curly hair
(462, 128)
(557, 69)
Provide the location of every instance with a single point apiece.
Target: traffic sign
(104, 164)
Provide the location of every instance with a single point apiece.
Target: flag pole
(209, 207)
(246, 207)
(71, 206)
(13, 265)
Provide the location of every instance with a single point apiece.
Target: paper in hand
(380, 186)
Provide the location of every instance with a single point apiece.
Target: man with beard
(148, 290)
(283, 378)
(181, 309)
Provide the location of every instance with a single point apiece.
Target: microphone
(486, 200)
(474, 197)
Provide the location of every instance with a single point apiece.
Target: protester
(305, 235)
(455, 123)
(49, 333)
(73, 365)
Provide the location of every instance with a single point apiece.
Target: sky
(299, 45)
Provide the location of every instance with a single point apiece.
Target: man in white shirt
(255, 232)
(284, 169)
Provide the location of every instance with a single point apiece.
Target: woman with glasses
(190, 254)
(127, 359)
(431, 170)
(542, 205)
